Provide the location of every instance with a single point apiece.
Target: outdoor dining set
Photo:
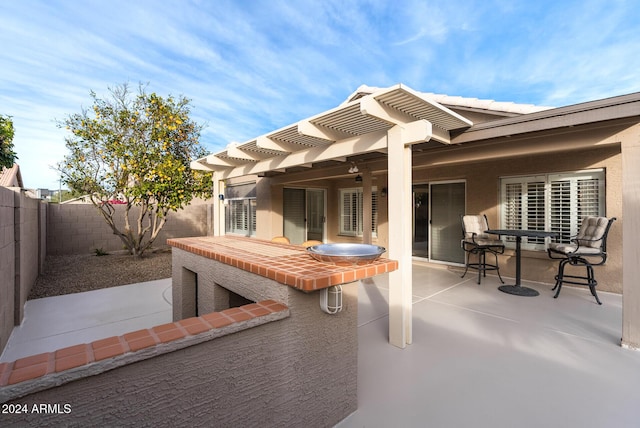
(585, 250)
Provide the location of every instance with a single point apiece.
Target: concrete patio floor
(479, 357)
(484, 358)
(53, 323)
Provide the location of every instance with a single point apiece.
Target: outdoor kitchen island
(301, 370)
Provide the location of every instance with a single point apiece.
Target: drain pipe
(331, 299)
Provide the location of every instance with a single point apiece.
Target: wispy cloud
(254, 66)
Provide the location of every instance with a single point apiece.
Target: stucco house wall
(482, 188)
(482, 178)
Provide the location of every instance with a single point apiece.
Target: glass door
(304, 214)
(315, 214)
(294, 215)
(420, 220)
(447, 205)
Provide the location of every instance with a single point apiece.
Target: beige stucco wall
(78, 228)
(482, 182)
(482, 179)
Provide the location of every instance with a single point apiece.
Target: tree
(134, 150)
(7, 155)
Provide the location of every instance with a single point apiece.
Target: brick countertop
(287, 264)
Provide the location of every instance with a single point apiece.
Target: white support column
(218, 206)
(630, 245)
(367, 209)
(399, 195)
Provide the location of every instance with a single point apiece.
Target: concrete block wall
(28, 263)
(7, 264)
(80, 228)
(30, 229)
(21, 260)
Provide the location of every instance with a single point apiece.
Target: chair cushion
(570, 249)
(474, 224)
(485, 242)
(591, 231)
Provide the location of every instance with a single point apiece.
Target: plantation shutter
(572, 198)
(374, 213)
(555, 202)
(351, 212)
(523, 206)
(238, 217)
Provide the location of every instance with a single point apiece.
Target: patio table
(516, 288)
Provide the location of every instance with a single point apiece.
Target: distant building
(45, 194)
(11, 177)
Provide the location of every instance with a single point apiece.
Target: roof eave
(620, 107)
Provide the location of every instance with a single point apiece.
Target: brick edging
(47, 370)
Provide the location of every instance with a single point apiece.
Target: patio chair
(589, 243)
(477, 242)
(281, 240)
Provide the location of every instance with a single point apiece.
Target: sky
(253, 66)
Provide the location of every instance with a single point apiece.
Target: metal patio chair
(477, 242)
(589, 244)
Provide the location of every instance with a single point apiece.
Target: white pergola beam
(356, 145)
(277, 145)
(237, 152)
(199, 166)
(218, 162)
(310, 130)
(371, 107)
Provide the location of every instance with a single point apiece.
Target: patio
(480, 357)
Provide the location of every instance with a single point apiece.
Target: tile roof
(455, 101)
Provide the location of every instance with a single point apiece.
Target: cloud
(252, 67)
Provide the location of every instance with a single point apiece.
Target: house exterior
(11, 177)
(397, 167)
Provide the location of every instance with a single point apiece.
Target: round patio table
(516, 288)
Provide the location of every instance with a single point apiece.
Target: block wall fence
(79, 228)
(31, 229)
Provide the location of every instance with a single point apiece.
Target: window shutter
(572, 198)
(351, 212)
(555, 202)
(512, 216)
(374, 213)
(535, 210)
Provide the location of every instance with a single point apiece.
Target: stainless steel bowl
(346, 254)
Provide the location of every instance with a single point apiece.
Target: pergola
(389, 122)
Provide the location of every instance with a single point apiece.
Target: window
(240, 216)
(240, 209)
(351, 212)
(555, 202)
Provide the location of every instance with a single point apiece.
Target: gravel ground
(85, 272)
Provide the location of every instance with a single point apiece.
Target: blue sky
(250, 67)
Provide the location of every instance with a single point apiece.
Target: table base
(518, 290)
